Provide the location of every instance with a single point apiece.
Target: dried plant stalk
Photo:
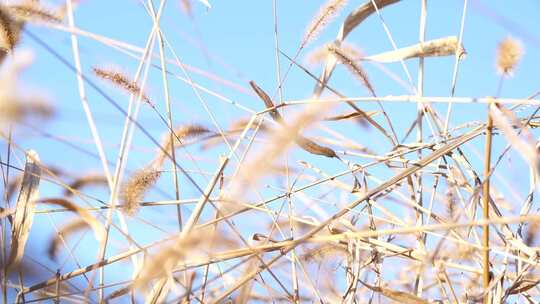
(63, 232)
(160, 265)
(446, 46)
(24, 213)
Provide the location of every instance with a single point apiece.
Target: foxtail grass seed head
(322, 19)
(133, 191)
(122, 81)
(32, 12)
(354, 67)
(509, 53)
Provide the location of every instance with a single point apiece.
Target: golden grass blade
(99, 230)
(446, 46)
(24, 213)
(322, 19)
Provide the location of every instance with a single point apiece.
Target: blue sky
(235, 41)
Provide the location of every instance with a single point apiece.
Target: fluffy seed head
(509, 53)
(134, 189)
(122, 81)
(325, 15)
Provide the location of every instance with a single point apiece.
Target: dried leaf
(314, 148)
(439, 47)
(24, 213)
(267, 101)
(399, 296)
(84, 215)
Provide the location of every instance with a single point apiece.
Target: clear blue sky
(235, 41)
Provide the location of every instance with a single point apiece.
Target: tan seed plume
(509, 53)
(322, 19)
(32, 11)
(9, 32)
(122, 81)
(352, 66)
(133, 191)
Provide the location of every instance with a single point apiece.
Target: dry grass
(238, 191)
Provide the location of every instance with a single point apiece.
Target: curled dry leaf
(446, 46)
(351, 115)
(267, 101)
(399, 296)
(303, 142)
(24, 212)
(85, 181)
(84, 215)
(314, 148)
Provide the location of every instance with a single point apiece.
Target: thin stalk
(485, 202)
